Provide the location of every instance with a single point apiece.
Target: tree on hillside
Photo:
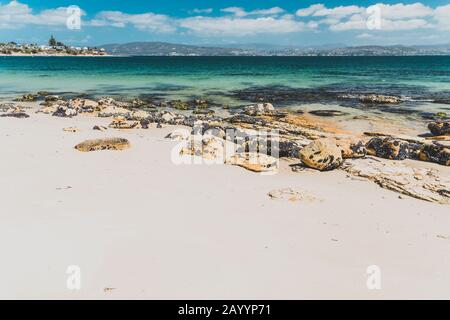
(52, 42)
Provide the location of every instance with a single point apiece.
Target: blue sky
(278, 22)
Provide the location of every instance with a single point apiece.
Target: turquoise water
(216, 77)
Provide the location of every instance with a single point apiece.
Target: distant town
(56, 48)
(53, 48)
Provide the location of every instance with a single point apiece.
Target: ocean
(232, 80)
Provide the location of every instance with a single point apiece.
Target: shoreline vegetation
(53, 49)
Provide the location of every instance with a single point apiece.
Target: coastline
(53, 55)
(140, 226)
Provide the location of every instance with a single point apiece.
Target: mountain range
(172, 49)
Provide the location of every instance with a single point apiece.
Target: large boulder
(103, 144)
(392, 148)
(322, 154)
(439, 128)
(435, 153)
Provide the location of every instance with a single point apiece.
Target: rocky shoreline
(235, 138)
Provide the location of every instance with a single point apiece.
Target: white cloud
(231, 26)
(310, 10)
(15, 15)
(442, 16)
(270, 11)
(207, 11)
(404, 11)
(145, 21)
(341, 11)
(238, 12)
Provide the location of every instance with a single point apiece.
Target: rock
(71, 129)
(322, 154)
(439, 128)
(259, 109)
(352, 149)
(277, 147)
(43, 93)
(144, 123)
(14, 109)
(208, 147)
(113, 111)
(392, 148)
(168, 117)
(28, 97)
(106, 102)
(399, 177)
(63, 111)
(136, 102)
(48, 109)
(256, 162)
(84, 105)
(290, 194)
(328, 113)
(138, 115)
(435, 153)
(179, 105)
(379, 99)
(103, 144)
(246, 119)
(179, 135)
(19, 115)
(122, 123)
(6, 107)
(52, 98)
(100, 128)
(203, 111)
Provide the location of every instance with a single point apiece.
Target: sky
(227, 22)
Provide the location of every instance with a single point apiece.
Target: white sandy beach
(148, 229)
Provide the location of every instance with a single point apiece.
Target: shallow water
(219, 78)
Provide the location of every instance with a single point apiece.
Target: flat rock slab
(256, 162)
(290, 194)
(19, 115)
(103, 144)
(421, 183)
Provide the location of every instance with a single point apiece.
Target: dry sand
(146, 228)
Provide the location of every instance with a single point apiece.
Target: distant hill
(171, 49)
(168, 49)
